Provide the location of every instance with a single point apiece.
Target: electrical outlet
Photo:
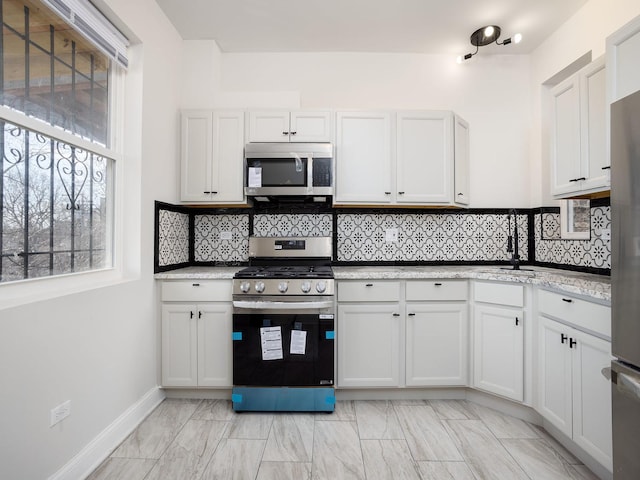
(391, 235)
(225, 236)
(60, 412)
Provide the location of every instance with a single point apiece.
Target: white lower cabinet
(393, 333)
(498, 339)
(196, 337)
(436, 344)
(573, 395)
(369, 345)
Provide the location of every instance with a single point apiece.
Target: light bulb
(459, 59)
(488, 31)
(517, 38)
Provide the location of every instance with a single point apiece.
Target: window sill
(23, 292)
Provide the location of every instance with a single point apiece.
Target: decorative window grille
(56, 187)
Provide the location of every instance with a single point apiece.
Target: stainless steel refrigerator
(625, 286)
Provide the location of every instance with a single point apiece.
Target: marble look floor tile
(157, 431)
(336, 452)
(251, 426)
(426, 436)
(236, 459)
(581, 472)
(377, 420)
(220, 410)
(539, 459)
(445, 471)
(388, 459)
(410, 402)
(484, 454)
(284, 471)
(504, 426)
(123, 469)
(454, 409)
(290, 439)
(345, 412)
(189, 454)
(566, 455)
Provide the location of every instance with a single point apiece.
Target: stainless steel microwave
(282, 169)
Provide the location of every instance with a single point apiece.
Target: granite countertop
(202, 273)
(597, 287)
(586, 284)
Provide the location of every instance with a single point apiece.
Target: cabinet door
(363, 158)
(310, 127)
(554, 374)
(499, 351)
(196, 155)
(424, 157)
(269, 126)
(369, 345)
(565, 136)
(227, 175)
(179, 345)
(594, 152)
(436, 344)
(592, 397)
(461, 162)
(623, 74)
(215, 356)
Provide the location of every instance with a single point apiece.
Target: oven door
(283, 346)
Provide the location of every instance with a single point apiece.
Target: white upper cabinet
(363, 158)
(285, 126)
(579, 153)
(424, 157)
(623, 68)
(212, 156)
(461, 164)
(406, 158)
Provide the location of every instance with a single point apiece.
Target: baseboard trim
(96, 451)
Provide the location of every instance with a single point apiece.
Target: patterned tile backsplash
(221, 238)
(429, 237)
(594, 253)
(173, 238)
(293, 225)
(464, 236)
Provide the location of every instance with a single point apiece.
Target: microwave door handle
(309, 173)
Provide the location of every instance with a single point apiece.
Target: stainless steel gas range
(283, 326)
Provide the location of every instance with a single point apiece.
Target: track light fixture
(485, 36)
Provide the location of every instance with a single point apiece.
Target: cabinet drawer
(583, 314)
(501, 294)
(369, 291)
(196, 291)
(435, 290)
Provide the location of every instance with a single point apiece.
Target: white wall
(585, 32)
(98, 347)
(491, 92)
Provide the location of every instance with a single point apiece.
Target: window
(56, 156)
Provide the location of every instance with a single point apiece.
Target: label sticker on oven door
(298, 342)
(326, 316)
(271, 339)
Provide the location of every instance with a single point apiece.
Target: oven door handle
(258, 305)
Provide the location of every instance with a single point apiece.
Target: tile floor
(426, 439)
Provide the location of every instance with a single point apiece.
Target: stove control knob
(283, 287)
(259, 287)
(321, 286)
(305, 287)
(245, 287)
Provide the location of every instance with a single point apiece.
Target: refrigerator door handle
(628, 385)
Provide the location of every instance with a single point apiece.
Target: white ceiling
(412, 26)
